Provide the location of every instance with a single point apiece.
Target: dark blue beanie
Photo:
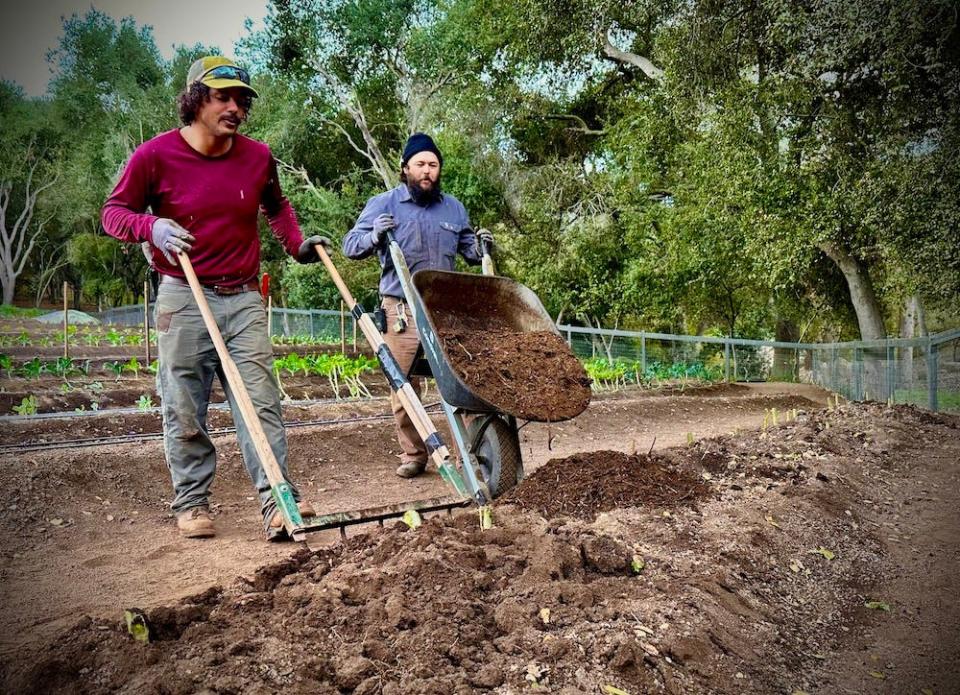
(419, 142)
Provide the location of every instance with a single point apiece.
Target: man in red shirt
(204, 185)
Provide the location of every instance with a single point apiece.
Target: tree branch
(583, 128)
(611, 52)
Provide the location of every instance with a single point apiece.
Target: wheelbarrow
(485, 433)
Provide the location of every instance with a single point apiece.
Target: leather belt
(222, 290)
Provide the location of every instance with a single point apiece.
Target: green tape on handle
(287, 506)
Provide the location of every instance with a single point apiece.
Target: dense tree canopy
(771, 168)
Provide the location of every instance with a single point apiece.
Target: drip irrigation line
(108, 412)
(153, 436)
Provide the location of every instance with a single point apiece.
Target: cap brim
(227, 84)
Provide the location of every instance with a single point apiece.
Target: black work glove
(484, 236)
(170, 237)
(307, 253)
(383, 224)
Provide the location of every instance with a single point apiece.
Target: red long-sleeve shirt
(215, 198)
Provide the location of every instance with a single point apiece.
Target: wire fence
(922, 371)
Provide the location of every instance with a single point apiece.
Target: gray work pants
(188, 363)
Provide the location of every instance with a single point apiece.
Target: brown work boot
(196, 522)
(411, 469)
(276, 530)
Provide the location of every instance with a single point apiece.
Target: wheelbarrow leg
(476, 486)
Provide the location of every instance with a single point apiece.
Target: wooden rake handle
(247, 411)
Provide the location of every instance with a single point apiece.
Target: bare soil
(532, 375)
(756, 582)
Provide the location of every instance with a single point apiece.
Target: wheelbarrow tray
(445, 301)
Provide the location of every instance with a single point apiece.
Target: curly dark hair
(194, 96)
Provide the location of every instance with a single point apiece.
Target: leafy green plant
(134, 339)
(28, 406)
(116, 367)
(92, 339)
(6, 364)
(33, 369)
(132, 365)
(63, 367)
(144, 403)
(153, 367)
(23, 339)
(114, 337)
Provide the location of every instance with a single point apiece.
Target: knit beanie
(419, 142)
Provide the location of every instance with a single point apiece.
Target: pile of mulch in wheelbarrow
(532, 375)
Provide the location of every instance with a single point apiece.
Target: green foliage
(144, 403)
(116, 367)
(701, 192)
(620, 373)
(339, 370)
(8, 311)
(28, 406)
(33, 369)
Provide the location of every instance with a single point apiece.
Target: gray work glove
(484, 236)
(383, 224)
(170, 237)
(307, 253)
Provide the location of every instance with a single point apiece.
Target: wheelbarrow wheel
(498, 454)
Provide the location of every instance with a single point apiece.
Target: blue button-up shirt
(430, 237)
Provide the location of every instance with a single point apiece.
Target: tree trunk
(785, 366)
(862, 294)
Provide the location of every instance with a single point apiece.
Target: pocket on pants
(169, 304)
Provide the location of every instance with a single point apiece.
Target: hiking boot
(196, 522)
(411, 469)
(275, 529)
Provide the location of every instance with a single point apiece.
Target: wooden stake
(270, 318)
(66, 323)
(146, 319)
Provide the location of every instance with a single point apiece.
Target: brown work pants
(404, 348)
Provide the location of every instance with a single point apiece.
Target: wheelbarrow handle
(487, 260)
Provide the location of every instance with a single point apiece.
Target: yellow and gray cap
(220, 73)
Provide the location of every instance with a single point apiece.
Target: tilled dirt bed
(818, 555)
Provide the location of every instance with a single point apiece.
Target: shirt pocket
(409, 236)
(448, 238)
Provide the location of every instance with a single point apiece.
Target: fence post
(146, 319)
(726, 361)
(312, 336)
(569, 337)
(933, 359)
(343, 330)
(857, 374)
(891, 374)
(643, 352)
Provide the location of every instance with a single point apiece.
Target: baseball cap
(220, 73)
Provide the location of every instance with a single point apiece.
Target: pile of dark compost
(531, 375)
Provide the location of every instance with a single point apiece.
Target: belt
(222, 290)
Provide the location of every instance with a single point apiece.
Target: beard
(424, 197)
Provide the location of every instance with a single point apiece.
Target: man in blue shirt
(431, 228)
